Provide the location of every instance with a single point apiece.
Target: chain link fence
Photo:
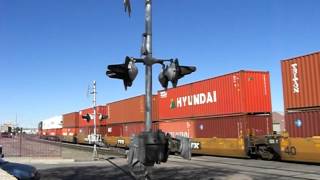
(23, 145)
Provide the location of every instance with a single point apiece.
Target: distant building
(7, 127)
(30, 130)
(278, 122)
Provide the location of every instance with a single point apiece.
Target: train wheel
(266, 153)
(74, 140)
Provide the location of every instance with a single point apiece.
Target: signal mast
(151, 147)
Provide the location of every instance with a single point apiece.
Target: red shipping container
(59, 132)
(219, 127)
(182, 128)
(303, 123)
(71, 120)
(132, 129)
(301, 81)
(70, 131)
(131, 110)
(101, 110)
(114, 130)
(127, 129)
(89, 130)
(102, 130)
(86, 130)
(52, 132)
(243, 92)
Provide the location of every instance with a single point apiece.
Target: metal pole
(16, 120)
(148, 64)
(20, 143)
(94, 120)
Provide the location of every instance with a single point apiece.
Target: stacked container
(219, 127)
(228, 106)
(51, 127)
(70, 126)
(126, 117)
(127, 129)
(301, 92)
(130, 110)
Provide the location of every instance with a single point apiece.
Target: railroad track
(247, 166)
(256, 168)
(83, 147)
(208, 167)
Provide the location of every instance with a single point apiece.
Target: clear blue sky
(51, 50)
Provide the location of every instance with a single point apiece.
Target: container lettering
(295, 79)
(197, 99)
(195, 145)
(174, 134)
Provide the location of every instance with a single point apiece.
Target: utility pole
(147, 36)
(16, 120)
(94, 92)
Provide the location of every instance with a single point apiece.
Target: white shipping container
(276, 127)
(52, 123)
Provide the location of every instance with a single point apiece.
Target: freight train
(228, 115)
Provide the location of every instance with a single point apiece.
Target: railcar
(228, 115)
(51, 128)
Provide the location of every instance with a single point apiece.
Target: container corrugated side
(52, 132)
(301, 81)
(256, 91)
(155, 108)
(132, 129)
(127, 129)
(184, 128)
(114, 130)
(243, 92)
(100, 110)
(87, 130)
(71, 120)
(219, 127)
(102, 130)
(70, 131)
(130, 110)
(303, 124)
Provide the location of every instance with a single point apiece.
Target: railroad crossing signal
(127, 71)
(127, 6)
(173, 73)
(102, 117)
(87, 117)
(150, 147)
